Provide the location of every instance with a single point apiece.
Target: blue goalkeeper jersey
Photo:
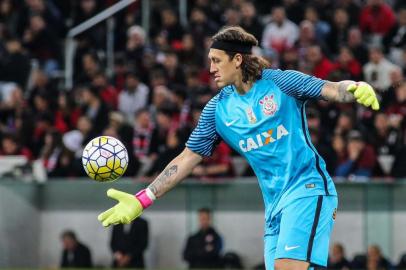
(267, 125)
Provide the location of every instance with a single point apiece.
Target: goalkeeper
(260, 112)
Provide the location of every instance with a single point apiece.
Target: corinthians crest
(269, 106)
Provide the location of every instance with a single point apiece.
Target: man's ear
(237, 60)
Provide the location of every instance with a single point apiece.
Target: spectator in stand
(51, 150)
(133, 97)
(347, 65)
(128, 18)
(200, 26)
(161, 98)
(202, 250)
(135, 44)
(389, 96)
(190, 55)
(42, 43)
(44, 120)
(337, 259)
(340, 156)
(322, 28)
(74, 141)
(11, 101)
(387, 141)
(352, 7)
(94, 108)
(174, 72)
(11, 147)
(249, 20)
(90, 66)
(74, 254)
(85, 10)
(314, 123)
(121, 70)
(395, 40)
(377, 71)
(144, 139)
(107, 92)
(182, 115)
(377, 18)
(387, 136)
(15, 63)
(217, 165)
(124, 129)
(16, 116)
(119, 128)
(323, 149)
(232, 16)
(213, 10)
(356, 44)
(175, 142)
(197, 91)
(41, 85)
(171, 28)
(307, 38)
(319, 65)
(319, 137)
(46, 9)
(67, 113)
(398, 106)
(361, 158)
(339, 30)
(294, 10)
(9, 16)
(164, 124)
(375, 259)
(157, 77)
(281, 33)
(289, 59)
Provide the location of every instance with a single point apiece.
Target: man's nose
(212, 68)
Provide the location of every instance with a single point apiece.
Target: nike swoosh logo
(230, 123)
(290, 248)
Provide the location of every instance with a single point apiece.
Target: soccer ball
(105, 159)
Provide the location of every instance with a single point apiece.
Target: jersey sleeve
(204, 137)
(295, 83)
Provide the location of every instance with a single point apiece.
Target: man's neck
(242, 87)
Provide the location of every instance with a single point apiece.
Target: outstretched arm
(347, 91)
(175, 171)
(201, 143)
(129, 207)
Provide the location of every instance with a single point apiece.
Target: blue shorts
(301, 231)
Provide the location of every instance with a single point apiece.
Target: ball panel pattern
(105, 159)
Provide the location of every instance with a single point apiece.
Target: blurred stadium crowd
(160, 83)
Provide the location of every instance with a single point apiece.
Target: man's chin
(220, 84)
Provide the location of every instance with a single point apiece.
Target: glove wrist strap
(146, 197)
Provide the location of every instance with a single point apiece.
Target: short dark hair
(205, 210)
(252, 65)
(69, 234)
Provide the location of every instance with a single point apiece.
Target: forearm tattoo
(343, 95)
(164, 181)
(337, 91)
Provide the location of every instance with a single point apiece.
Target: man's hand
(364, 94)
(126, 210)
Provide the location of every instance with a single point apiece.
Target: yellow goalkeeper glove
(364, 94)
(128, 208)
